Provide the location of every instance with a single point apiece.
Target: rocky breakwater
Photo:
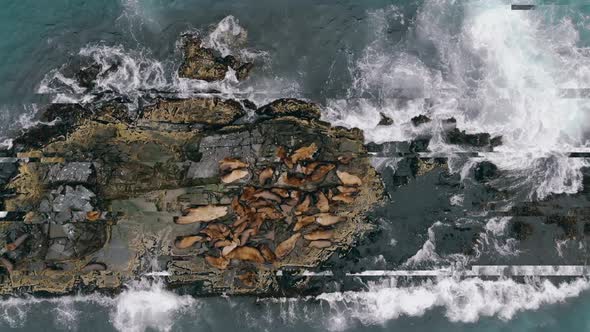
(96, 196)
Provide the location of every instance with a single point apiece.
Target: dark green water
(356, 58)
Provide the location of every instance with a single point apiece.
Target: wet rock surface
(183, 187)
(207, 64)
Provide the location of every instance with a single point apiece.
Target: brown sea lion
(250, 254)
(237, 207)
(323, 204)
(228, 249)
(265, 175)
(92, 215)
(202, 214)
(349, 179)
(284, 193)
(269, 196)
(19, 240)
(320, 172)
(268, 254)
(220, 263)
(185, 242)
(303, 206)
(270, 213)
(284, 248)
(287, 180)
(304, 153)
(245, 236)
(325, 219)
(303, 221)
(230, 164)
(234, 176)
(319, 235)
(345, 198)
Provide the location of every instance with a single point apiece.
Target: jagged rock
(74, 172)
(459, 137)
(113, 176)
(86, 76)
(485, 171)
(292, 107)
(385, 120)
(210, 111)
(207, 64)
(420, 119)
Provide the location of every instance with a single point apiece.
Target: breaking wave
(498, 71)
(461, 300)
(143, 305)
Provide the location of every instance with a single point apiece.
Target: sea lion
(14, 245)
(215, 233)
(309, 168)
(292, 181)
(323, 204)
(345, 198)
(245, 236)
(234, 176)
(7, 265)
(248, 194)
(265, 175)
(202, 214)
(269, 196)
(284, 248)
(303, 221)
(268, 254)
(91, 267)
(303, 206)
(230, 164)
(304, 153)
(222, 243)
(320, 244)
(185, 242)
(220, 263)
(284, 193)
(320, 172)
(349, 179)
(270, 213)
(325, 219)
(281, 153)
(250, 254)
(237, 207)
(319, 235)
(228, 249)
(92, 215)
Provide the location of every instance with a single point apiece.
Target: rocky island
(211, 193)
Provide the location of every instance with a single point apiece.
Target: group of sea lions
(292, 196)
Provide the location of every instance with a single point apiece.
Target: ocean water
(493, 69)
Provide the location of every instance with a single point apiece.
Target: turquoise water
(356, 58)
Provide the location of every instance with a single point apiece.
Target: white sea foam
(149, 306)
(500, 72)
(144, 305)
(461, 300)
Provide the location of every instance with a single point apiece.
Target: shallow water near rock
(441, 58)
